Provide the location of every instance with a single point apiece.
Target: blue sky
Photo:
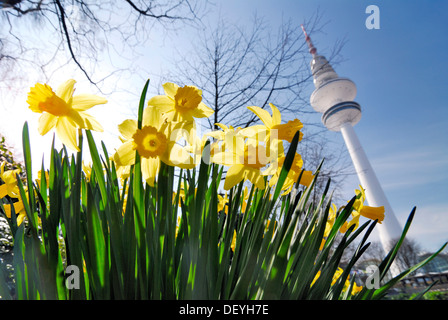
(400, 71)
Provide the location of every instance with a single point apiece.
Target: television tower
(333, 97)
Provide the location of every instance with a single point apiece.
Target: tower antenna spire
(313, 50)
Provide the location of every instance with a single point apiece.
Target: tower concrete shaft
(389, 230)
(333, 97)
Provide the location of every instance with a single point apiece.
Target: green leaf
(97, 257)
(388, 260)
(286, 165)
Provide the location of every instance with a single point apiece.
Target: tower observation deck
(334, 98)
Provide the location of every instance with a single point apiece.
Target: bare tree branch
(87, 27)
(69, 43)
(236, 68)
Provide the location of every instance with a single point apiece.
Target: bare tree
(408, 254)
(84, 29)
(236, 67)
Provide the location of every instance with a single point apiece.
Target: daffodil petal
(152, 117)
(67, 133)
(233, 244)
(264, 116)
(179, 157)
(254, 176)
(233, 176)
(256, 131)
(225, 158)
(150, 169)
(184, 129)
(276, 116)
(217, 134)
(90, 122)
(84, 102)
(125, 154)
(222, 126)
(170, 89)
(163, 104)
(307, 178)
(363, 194)
(272, 169)
(218, 157)
(7, 208)
(47, 121)
(75, 118)
(40, 92)
(9, 177)
(373, 213)
(3, 191)
(347, 225)
(202, 111)
(128, 128)
(21, 217)
(66, 89)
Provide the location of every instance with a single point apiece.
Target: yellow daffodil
(356, 289)
(359, 209)
(63, 111)
(348, 224)
(315, 278)
(336, 276)
(199, 148)
(233, 244)
(9, 187)
(245, 164)
(293, 174)
(156, 141)
(222, 203)
(245, 199)
(229, 143)
(373, 213)
(182, 194)
(39, 175)
(266, 228)
(331, 219)
(177, 227)
(181, 103)
(123, 172)
(87, 168)
(19, 209)
(229, 136)
(273, 124)
(322, 243)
